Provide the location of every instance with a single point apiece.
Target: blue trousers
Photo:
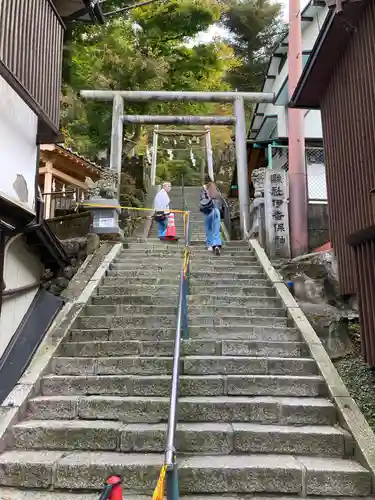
(212, 227)
(162, 227)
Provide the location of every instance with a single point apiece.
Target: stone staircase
(254, 413)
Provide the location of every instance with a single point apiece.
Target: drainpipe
(298, 201)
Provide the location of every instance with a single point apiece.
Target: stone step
(219, 311)
(131, 309)
(211, 259)
(248, 365)
(140, 321)
(190, 365)
(235, 300)
(152, 298)
(123, 333)
(200, 267)
(139, 290)
(247, 333)
(130, 409)
(151, 265)
(204, 321)
(135, 258)
(213, 280)
(254, 473)
(217, 276)
(198, 438)
(191, 347)
(153, 279)
(18, 494)
(190, 385)
(201, 289)
(152, 274)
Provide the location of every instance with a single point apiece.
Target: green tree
(144, 52)
(254, 28)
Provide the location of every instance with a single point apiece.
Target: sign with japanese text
(276, 213)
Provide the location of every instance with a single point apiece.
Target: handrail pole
(170, 451)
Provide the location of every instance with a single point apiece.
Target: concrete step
(236, 300)
(190, 365)
(130, 409)
(190, 385)
(219, 311)
(212, 474)
(204, 321)
(139, 321)
(191, 347)
(198, 438)
(139, 290)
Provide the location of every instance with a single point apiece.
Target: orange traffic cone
(113, 490)
(171, 229)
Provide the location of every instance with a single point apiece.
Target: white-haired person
(161, 208)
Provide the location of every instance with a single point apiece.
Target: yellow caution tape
(95, 205)
(160, 486)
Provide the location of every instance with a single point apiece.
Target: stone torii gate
(237, 98)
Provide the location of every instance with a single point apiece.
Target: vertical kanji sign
(276, 213)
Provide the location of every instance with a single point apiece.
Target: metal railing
(181, 330)
(226, 215)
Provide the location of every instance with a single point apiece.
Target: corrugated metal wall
(348, 115)
(31, 40)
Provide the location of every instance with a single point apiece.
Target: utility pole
(298, 199)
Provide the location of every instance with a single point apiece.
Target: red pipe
(298, 200)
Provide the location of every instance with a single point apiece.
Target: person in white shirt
(161, 207)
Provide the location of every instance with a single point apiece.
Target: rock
(93, 243)
(315, 278)
(68, 272)
(331, 326)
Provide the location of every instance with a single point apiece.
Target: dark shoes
(217, 250)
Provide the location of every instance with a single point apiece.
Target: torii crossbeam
(237, 98)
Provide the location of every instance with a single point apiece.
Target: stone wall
(77, 249)
(76, 225)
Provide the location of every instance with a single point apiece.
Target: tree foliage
(254, 28)
(144, 52)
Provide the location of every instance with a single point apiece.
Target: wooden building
(338, 79)
(31, 48)
(63, 176)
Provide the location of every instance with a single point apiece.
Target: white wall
(21, 267)
(18, 150)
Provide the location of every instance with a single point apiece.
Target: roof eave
(329, 46)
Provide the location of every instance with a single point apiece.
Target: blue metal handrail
(181, 329)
